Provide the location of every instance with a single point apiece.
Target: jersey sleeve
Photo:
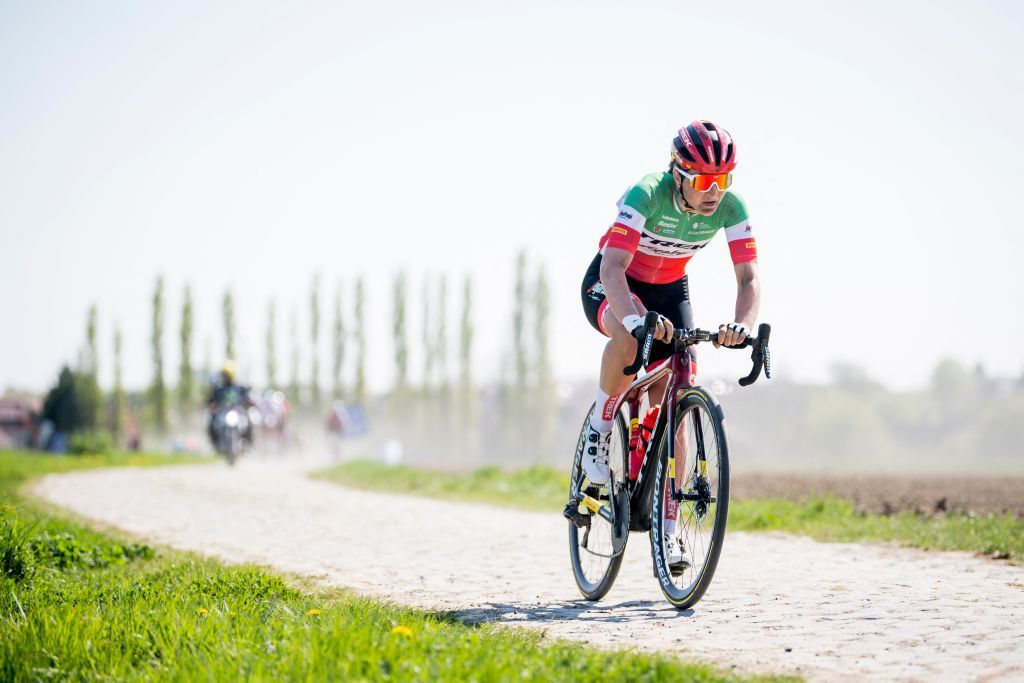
(738, 232)
(634, 208)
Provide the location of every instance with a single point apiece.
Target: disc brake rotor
(703, 489)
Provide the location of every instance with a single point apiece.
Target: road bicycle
(672, 483)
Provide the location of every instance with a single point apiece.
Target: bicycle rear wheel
(595, 562)
(691, 509)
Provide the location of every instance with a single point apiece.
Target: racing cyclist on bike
(662, 222)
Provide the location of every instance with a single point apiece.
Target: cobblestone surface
(778, 603)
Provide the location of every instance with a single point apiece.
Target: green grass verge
(533, 488)
(18, 466)
(79, 605)
(831, 519)
(826, 519)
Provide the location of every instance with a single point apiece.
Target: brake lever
(760, 356)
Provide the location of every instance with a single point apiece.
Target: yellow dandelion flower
(313, 612)
(202, 611)
(402, 631)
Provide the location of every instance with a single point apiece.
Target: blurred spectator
(18, 420)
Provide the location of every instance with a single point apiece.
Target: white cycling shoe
(595, 456)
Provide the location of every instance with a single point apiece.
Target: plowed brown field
(892, 493)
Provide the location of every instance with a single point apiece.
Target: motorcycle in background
(230, 424)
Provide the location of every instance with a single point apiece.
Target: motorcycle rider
(225, 393)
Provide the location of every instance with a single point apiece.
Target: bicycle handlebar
(759, 356)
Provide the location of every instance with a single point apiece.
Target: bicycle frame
(677, 370)
(680, 378)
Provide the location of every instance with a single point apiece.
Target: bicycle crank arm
(594, 505)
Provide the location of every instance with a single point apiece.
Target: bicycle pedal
(573, 514)
(678, 568)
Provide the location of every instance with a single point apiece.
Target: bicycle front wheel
(595, 562)
(690, 503)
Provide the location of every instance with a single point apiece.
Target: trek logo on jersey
(686, 246)
(669, 248)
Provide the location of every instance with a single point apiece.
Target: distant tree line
(446, 394)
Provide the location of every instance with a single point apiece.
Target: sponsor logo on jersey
(597, 291)
(670, 219)
(669, 248)
(621, 231)
(675, 243)
(626, 214)
(667, 226)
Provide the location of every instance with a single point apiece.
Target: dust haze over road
(778, 603)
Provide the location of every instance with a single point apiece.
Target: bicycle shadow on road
(621, 613)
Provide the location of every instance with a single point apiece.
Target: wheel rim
(593, 560)
(695, 520)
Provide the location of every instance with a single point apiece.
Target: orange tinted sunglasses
(702, 182)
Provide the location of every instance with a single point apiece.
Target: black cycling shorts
(671, 300)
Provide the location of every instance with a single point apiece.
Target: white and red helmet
(703, 147)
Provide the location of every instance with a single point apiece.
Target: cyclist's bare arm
(748, 301)
(613, 276)
(748, 293)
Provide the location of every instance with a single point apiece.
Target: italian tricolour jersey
(662, 237)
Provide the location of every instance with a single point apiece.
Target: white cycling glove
(738, 327)
(632, 322)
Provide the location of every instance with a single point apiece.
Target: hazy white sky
(252, 145)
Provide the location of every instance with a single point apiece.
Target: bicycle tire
(685, 596)
(595, 590)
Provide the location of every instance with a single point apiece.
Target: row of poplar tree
(526, 382)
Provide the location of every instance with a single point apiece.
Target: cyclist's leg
(673, 302)
(684, 311)
(618, 353)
